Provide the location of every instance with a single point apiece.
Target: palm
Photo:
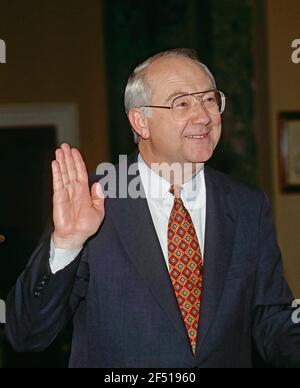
(77, 213)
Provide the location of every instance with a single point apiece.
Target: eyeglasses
(213, 102)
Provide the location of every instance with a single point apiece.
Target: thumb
(97, 196)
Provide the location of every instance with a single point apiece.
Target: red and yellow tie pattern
(185, 265)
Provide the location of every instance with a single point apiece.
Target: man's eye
(182, 104)
(210, 100)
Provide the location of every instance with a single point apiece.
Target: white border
(63, 116)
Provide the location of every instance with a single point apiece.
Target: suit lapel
(219, 238)
(134, 224)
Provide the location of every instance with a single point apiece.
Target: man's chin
(203, 158)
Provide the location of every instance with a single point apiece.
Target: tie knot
(176, 191)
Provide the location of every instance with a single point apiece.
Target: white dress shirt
(160, 202)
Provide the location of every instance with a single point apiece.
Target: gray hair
(138, 91)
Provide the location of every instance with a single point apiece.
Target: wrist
(68, 242)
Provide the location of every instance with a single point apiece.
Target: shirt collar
(157, 188)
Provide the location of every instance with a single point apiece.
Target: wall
(55, 54)
(284, 92)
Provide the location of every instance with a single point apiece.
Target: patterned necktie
(185, 264)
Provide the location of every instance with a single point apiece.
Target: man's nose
(200, 115)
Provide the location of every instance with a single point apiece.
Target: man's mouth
(197, 137)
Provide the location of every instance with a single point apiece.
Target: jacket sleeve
(38, 307)
(276, 336)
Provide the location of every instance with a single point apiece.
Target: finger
(58, 184)
(82, 174)
(62, 165)
(71, 169)
(98, 197)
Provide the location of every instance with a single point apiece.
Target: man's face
(169, 140)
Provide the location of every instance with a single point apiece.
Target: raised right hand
(77, 211)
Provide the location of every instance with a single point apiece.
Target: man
(187, 275)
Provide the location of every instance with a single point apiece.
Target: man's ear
(139, 123)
